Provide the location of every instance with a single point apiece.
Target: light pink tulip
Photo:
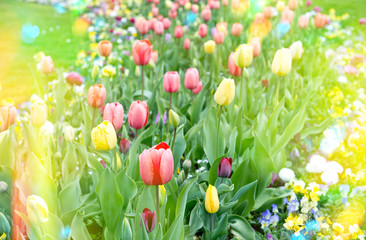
(74, 78)
(105, 48)
(233, 69)
(236, 29)
(202, 30)
(178, 31)
(96, 95)
(159, 28)
(256, 44)
(138, 114)
(141, 51)
(198, 88)
(171, 82)
(191, 78)
(303, 21)
(113, 112)
(46, 65)
(219, 37)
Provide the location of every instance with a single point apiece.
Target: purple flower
(157, 119)
(308, 3)
(165, 117)
(269, 237)
(317, 9)
(274, 208)
(294, 154)
(213, 31)
(224, 169)
(167, 37)
(274, 219)
(293, 206)
(266, 214)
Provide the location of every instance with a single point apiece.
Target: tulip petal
(166, 166)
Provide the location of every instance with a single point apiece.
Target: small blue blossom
(274, 208)
(313, 225)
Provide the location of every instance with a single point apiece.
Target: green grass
(55, 39)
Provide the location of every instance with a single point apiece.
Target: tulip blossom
(46, 65)
(142, 26)
(206, 14)
(296, 50)
(268, 12)
(166, 22)
(156, 165)
(320, 20)
(149, 219)
(68, 133)
(187, 43)
(141, 51)
(282, 61)
(224, 168)
(124, 145)
(292, 4)
(138, 114)
(236, 29)
(38, 113)
(212, 203)
(113, 112)
(202, 30)
(105, 48)
(287, 16)
(37, 209)
(154, 56)
(178, 31)
(198, 89)
(219, 37)
(158, 28)
(7, 117)
(191, 78)
(209, 46)
(104, 136)
(303, 21)
(244, 55)
(256, 44)
(233, 69)
(171, 82)
(96, 95)
(74, 78)
(225, 93)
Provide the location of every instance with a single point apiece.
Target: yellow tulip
(38, 113)
(104, 136)
(280, 6)
(282, 61)
(243, 56)
(225, 93)
(212, 200)
(296, 50)
(209, 46)
(37, 209)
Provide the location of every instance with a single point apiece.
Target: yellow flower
(3, 236)
(298, 186)
(38, 113)
(162, 193)
(37, 209)
(282, 61)
(104, 136)
(338, 227)
(243, 56)
(280, 6)
(109, 71)
(225, 93)
(209, 46)
(296, 50)
(211, 199)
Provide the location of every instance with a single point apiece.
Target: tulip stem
(115, 161)
(170, 101)
(142, 82)
(175, 134)
(136, 133)
(92, 123)
(277, 91)
(218, 132)
(157, 202)
(211, 223)
(192, 98)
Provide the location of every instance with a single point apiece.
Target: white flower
(317, 164)
(286, 174)
(342, 79)
(334, 166)
(329, 177)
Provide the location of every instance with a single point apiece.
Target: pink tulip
(292, 4)
(268, 12)
(219, 37)
(138, 114)
(187, 43)
(156, 2)
(357, 59)
(149, 219)
(308, 3)
(142, 26)
(74, 78)
(156, 165)
(46, 65)
(159, 28)
(124, 145)
(198, 88)
(113, 112)
(191, 78)
(256, 44)
(96, 95)
(225, 2)
(320, 20)
(155, 11)
(160, 18)
(141, 51)
(194, 8)
(362, 21)
(202, 30)
(8, 115)
(214, 4)
(178, 31)
(105, 48)
(236, 29)
(287, 16)
(172, 14)
(206, 14)
(166, 22)
(233, 69)
(174, 6)
(224, 168)
(351, 70)
(171, 82)
(303, 21)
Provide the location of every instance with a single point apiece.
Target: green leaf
(243, 190)
(179, 147)
(240, 227)
(78, 229)
(175, 232)
(270, 196)
(220, 228)
(127, 187)
(70, 196)
(195, 222)
(182, 199)
(7, 156)
(213, 170)
(319, 128)
(145, 200)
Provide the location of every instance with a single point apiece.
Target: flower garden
(190, 119)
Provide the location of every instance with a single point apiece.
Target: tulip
(292, 4)
(37, 209)
(159, 28)
(142, 26)
(69, 133)
(211, 200)
(187, 43)
(46, 65)
(209, 46)
(287, 16)
(303, 21)
(104, 136)
(178, 31)
(96, 95)
(38, 113)
(244, 55)
(124, 145)
(195, 8)
(320, 20)
(141, 51)
(233, 69)
(256, 44)
(138, 114)
(172, 14)
(166, 23)
(296, 50)
(219, 37)
(8, 115)
(225, 93)
(198, 89)
(280, 6)
(108, 71)
(155, 11)
(268, 12)
(282, 60)
(174, 118)
(95, 71)
(113, 112)
(171, 81)
(105, 48)
(206, 14)
(191, 78)
(224, 168)
(236, 29)
(74, 78)
(154, 56)
(202, 30)
(149, 219)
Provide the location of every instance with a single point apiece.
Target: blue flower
(293, 206)
(298, 236)
(283, 28)
(344, 189)
(313, 225)
(266, 214)
(274, 219)
(190, 18)
(274, 208)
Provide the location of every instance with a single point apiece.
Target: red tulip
(233, 69)
(124, 145)
(156, 165)
(138, 114)
(171, 82)
(96, 95)
(178, 31)
(105, 48)
(191, 78)
(166, 22)
(224, 169)
(113, 112)
(198, 89)
(206, 14)
(149, 219)
(74, 78)
(141, 51)
(187, 43)
(202, 30)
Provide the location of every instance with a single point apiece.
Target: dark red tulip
(224, 169)
(149, 219)
(124, 145)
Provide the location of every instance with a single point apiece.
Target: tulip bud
(211, 200)
(187, 43)
(141, 51)
(236, 29)
(219, 37)
(38, 113)
(198, 88)
(187, 165)
(225, 93)
(37, 209)
(178, 31)
(124, 145)
(296, 50)
(224, 169)
(171, 82)
(3, 187)
(243, 56)
(209, 46)
(126, 229)
(96, 95)
(282, 61)
(113, 112)
(68, 132)
(280, 6)
(191, 78)
(104, 136)
(256, 43)
(138, 114)
(46, 65)
(58, 156)
(202, 30)
(95, 71)
(149, 219)
(74, 78)
(105, 48)
(174, 118)
(233, 69)
(137, 72)
(303, 21)
(265, 83)
(181, 177)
